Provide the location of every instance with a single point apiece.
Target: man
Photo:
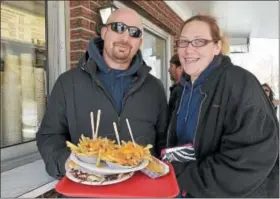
(111, 77)
(271, 96)
(175, 70)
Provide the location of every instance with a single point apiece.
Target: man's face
(119, 45)
(172, 72)
(175, 72)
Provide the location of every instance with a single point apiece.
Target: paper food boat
(152, 174)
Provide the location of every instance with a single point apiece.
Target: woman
(224, 118)
(270, 94)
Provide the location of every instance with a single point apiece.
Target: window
(154, 54)
(23, 70)
(19, 159)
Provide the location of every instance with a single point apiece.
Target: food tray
(139, 186)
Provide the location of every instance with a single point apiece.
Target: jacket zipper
(119, 115)
(181, 99)
(131, 90)
(119, 124)
(197, 123)
(189, 102)
(109, 97)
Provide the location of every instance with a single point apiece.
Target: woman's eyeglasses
(195, 43)
(120, 27)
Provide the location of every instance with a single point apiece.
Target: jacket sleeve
(247, 154)
(53, 133)
(161, 125)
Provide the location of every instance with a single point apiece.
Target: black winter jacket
(78, 92)
(175, 91)
(236, 140)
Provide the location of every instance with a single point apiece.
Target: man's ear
(103, 32)
(141, 44)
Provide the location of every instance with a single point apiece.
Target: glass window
(154, 54)
(23, 79)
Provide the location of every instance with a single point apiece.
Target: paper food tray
(153, 174)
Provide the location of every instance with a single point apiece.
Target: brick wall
(84, 17)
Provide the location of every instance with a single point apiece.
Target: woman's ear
(218, 48)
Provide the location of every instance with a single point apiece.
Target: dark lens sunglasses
(120, 27)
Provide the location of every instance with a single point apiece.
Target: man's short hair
(175, 60)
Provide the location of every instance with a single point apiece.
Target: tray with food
(101, 162)
(137, 186)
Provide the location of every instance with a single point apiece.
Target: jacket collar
(223, 62)
(89, 66)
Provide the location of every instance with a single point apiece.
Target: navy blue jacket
(189, 106)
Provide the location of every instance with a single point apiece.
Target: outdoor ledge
(30, 180)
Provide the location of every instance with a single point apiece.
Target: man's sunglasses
(120, 27)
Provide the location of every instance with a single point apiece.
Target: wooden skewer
(130, 132)
(92, 124)
(97, 124)
(116, 132)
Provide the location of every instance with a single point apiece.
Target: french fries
(92, 148)
(107, 150)
(128, 154)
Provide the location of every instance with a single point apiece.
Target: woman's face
(195, 59)
(266, 90)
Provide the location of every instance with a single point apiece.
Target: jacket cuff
(61, 162)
